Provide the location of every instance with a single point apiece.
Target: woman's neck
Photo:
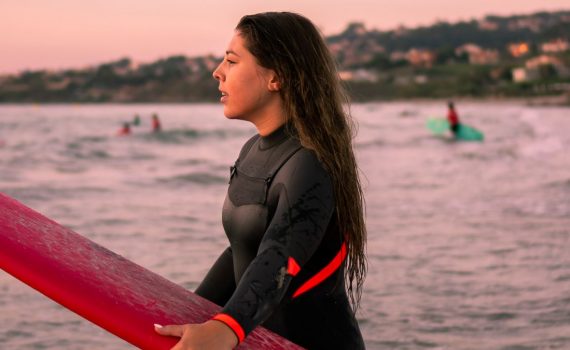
(271, 119)
(269, 125)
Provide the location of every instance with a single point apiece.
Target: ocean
(468, 247)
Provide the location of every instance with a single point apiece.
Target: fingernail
(156, 325)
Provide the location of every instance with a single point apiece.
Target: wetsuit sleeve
(219, 284)
(304, 208)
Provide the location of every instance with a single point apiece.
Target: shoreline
(562, 100)
(555, 101)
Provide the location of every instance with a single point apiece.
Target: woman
(294, 209)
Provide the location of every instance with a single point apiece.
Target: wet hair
(314, 102)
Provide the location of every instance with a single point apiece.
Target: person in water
(156, 127)
(453, 119)
(293, 213)
(137, 120)
(125, 130)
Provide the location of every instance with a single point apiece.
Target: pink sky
(54, 34)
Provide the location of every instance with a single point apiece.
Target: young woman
(294, 209)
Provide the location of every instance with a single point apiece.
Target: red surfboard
(101, 286)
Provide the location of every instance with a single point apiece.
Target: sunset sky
(58, 34)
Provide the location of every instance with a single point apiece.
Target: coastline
(562, 100)
(555, 101)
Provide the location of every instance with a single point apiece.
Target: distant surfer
(156, 127)
(453, 119)
(125, 130)
(136, 120)
(294, 208)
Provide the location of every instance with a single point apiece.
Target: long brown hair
(313, 99)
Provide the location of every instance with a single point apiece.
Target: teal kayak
(440, 126)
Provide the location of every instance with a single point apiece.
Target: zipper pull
(233, 171)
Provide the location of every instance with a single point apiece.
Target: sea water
(468, 247)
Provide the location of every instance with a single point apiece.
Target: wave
(47, 193)
(93, 139)
(195, 178)
(561, 185)
(75, 150)
(181, 136)
(370, 144)
(173, 136)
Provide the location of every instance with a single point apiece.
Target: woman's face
(247, 88)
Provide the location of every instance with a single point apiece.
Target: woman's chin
(231, 115)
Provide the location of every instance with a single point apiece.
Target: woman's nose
(217, 74)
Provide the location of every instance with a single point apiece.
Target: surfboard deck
(440, 126)
(437, 126)
(101, 286)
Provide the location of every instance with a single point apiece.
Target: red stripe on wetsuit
(292, 269)
(322, 275)
(233, 324)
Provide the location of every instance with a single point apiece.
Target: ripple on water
(200, 178)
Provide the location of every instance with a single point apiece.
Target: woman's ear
(274, 84)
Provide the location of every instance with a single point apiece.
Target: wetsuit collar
(275, 138)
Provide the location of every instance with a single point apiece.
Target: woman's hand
(208, 335)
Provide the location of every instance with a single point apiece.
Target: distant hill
(470, 58)
(492, 32)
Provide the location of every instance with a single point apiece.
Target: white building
(522, 74)
(555, 46)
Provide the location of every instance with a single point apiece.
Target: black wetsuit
(285, 263)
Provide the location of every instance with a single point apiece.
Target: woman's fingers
(171, 330)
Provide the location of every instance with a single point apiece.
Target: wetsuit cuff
(233, 324)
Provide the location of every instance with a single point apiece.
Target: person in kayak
(452, 118)
(293, 213)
